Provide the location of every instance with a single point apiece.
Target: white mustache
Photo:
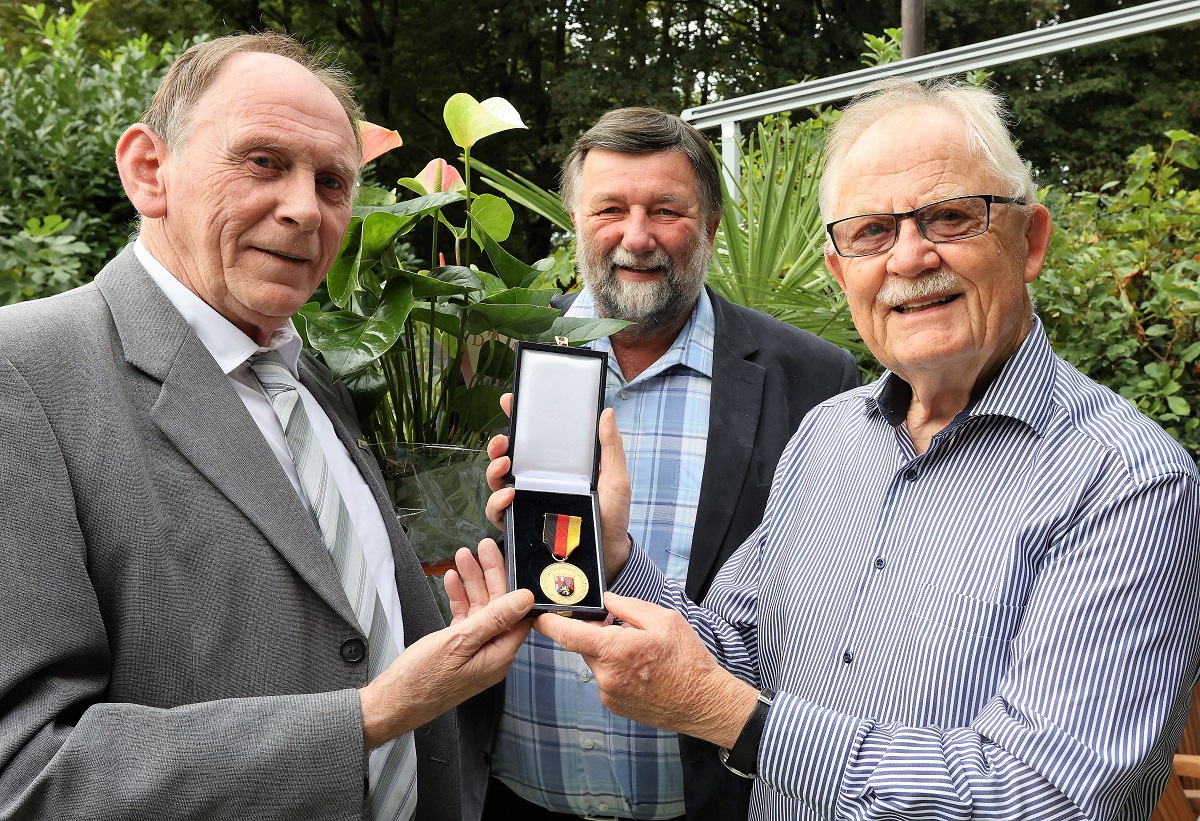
(658, 258)
(898, 290)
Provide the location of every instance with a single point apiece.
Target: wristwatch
(742, 760)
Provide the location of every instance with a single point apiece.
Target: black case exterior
(527, 555)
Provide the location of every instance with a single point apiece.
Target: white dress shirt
(232, 349)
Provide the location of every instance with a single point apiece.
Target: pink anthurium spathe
(376, 140)
(440, 176)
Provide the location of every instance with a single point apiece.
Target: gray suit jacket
(170, 620)
(766, 376)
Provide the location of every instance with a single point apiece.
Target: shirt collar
(227, 343)
(1023, 389)
(692, 348)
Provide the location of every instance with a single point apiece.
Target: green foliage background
(62, 110)
(1119, 294)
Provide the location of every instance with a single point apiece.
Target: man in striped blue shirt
(975, 592)
(708, 394)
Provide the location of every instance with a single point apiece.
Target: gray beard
(650, 305)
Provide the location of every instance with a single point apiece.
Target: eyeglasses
(943, 221)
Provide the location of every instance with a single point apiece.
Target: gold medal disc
(564, 583)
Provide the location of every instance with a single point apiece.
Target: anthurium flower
(376, 140)
(469, 121)
(440, 176)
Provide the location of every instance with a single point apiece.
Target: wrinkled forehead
(907, 159)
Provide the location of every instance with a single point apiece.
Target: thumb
(497, 616)
(634, 612)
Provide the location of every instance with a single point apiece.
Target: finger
(499, 615)
(460, 605)
(578, 637)
(497, 446)
(635, 612)
(495, 570)
(497, 472)
(497, 503)
(471, 575)
(506, 404)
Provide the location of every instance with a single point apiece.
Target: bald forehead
(906, 159)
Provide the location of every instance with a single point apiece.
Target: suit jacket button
(354, 650)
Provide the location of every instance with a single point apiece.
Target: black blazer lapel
(734, 410)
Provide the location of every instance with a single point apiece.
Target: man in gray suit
(175, 639)
(706, 394)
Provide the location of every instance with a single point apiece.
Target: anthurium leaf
(417, 206)
(496, 361)
(343, 276)
(374, 197)
(521, 296)
(513, 320)
(446, 317)
(447, 280)
(367, 389)
(516, 274)
(350, 342)
(479, 408)
(578, 330)
(469, 120)
(493, 215)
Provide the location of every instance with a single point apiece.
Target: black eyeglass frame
(988, 200)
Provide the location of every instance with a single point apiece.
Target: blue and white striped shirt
(558, 746)
(1005, 626)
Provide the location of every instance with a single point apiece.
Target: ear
(1037, 240)
(833, 263)
(141, 161)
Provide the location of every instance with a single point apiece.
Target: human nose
(638, 236)
(299, 205)
(912, 254)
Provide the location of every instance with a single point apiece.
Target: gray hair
(982, 112)
(191, 75)
(646, 131)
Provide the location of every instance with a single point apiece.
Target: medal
(563, 582)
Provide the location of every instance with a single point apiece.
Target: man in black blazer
(175, 639)
(718, 391)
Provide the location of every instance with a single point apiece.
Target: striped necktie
(392, 794)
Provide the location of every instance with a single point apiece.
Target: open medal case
(552, 528)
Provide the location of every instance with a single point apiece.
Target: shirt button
(622, 395)
(354, 650)
(847, 657)
(602, 806)
(879, 563)
(911, 474)
(588, 744)
(585, 676)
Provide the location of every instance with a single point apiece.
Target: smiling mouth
(281, 255)
(915, 307)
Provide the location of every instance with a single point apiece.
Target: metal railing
(1048, 39)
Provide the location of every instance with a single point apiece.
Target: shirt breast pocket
(954, 652)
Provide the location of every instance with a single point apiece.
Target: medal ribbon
(561, 534)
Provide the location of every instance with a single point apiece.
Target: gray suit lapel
(737, 390)
(199, 411)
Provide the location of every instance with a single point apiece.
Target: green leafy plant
(1119, 293)
(61, 113)
(425, 345)
(769, 252)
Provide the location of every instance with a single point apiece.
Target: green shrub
(1119, 294)
(61, 113)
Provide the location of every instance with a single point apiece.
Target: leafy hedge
(61, 113)
(1120, 296)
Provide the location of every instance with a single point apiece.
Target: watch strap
(742, 758)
